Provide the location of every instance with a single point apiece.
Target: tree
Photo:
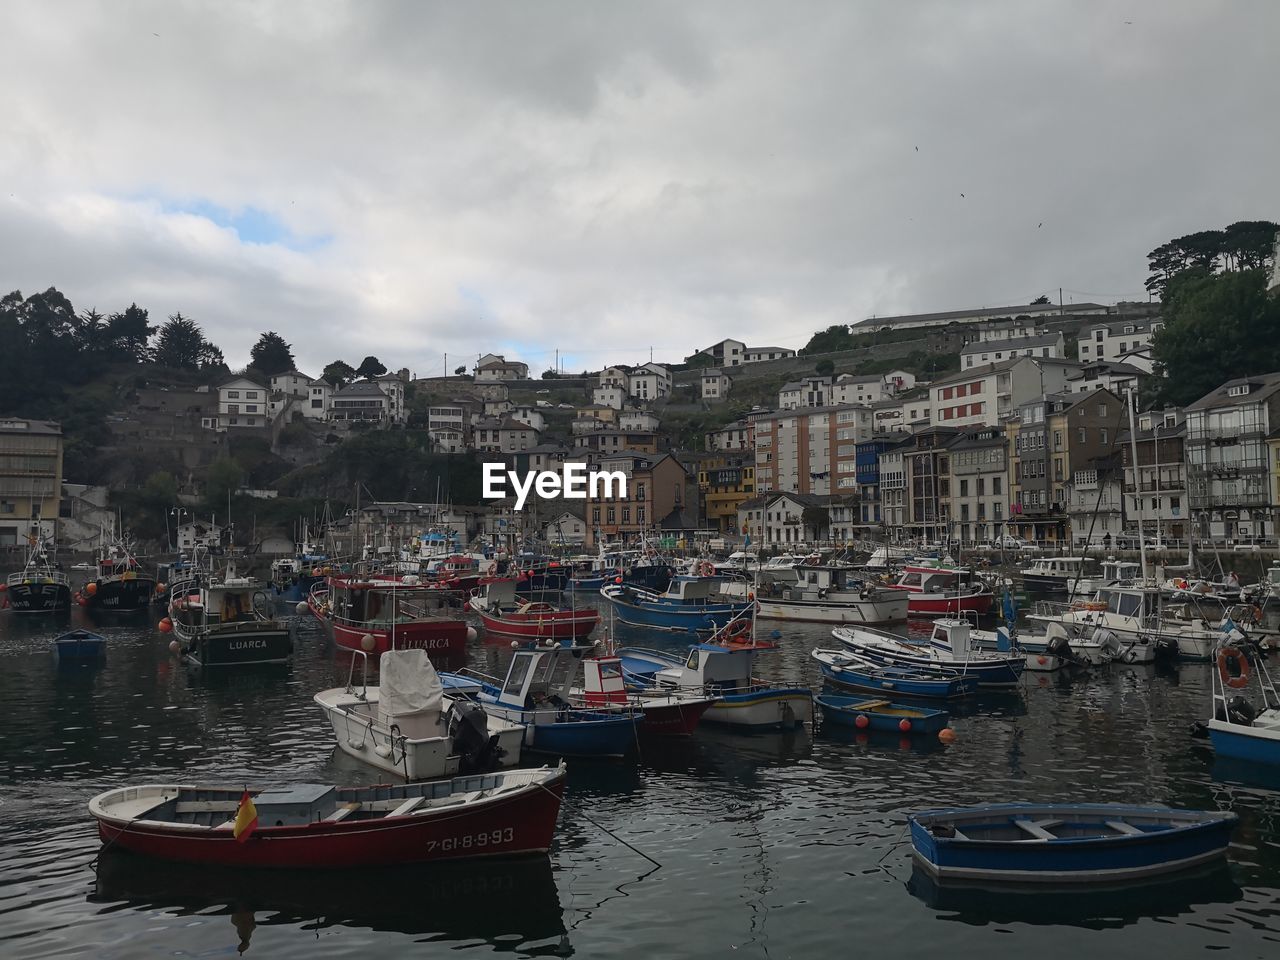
(459, 371)
(271, 355)
(339, 373)
(550, 374)
(1217, 327)
(128, 334)
(180, 344)
(825, 367)
(161, 489)
(1244, 245)
(836, 337)
(369, 368)
(1040, 301)
(224, 478)
(817, 519)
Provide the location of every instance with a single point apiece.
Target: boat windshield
(515, 676)
(1124, 604)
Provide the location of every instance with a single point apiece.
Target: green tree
(550, 374)
(1039, 301)
(1217, 327)
(224, 478)
(369, 368)
(161, 488)
(836, 337)
(459, 371)
(339, 373)
(271, 355)
(825, 367)
(128, 334)
(817, 519)
(181, 344)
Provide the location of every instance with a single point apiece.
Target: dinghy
(847, 672)
(869, 714)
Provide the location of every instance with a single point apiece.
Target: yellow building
(30, 479)
(724, 484)
(1273, 457)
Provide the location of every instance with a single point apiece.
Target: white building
(1119, 378)
(291, 383)
(616, 376)
(641, 420)
(364, 400)
(649, 382)
(986, 394)
(504, 436)
(611, 396)
(531, 416)
(393, 384)
(979, 352)
(195, 533)
(242, 403)
(1040, 311)
(757, 354)
(1122, 341)
(733, 436)
(809, 392)
(568, 529)
(319, 393)
(848, 388)
(715, 384)
(727, 353)
(492, 368)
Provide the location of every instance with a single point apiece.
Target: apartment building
(1157, 493)
(1126, 340)
(979, 485)
(30, 480)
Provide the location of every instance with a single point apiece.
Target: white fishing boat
(948, 650)
(825, 594)
(406, 726)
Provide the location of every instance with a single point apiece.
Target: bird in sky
(962, 196)
(1040, 224)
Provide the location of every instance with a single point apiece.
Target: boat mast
(1131, 402)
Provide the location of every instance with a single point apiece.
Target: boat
(537, 693)
(393, 612)
(824, 594)
(846, 672)
(293, 577)
(504, 615)
(80, 646)
(948, 649)
(882, 715)
(1114, 573)
(886, 557)
(1053, 574)
(119, 584)
(937, 589)
(712, 670)
(39, 587)
(320, 826)
(1129, 613)
(739, 634)
(407, 727)
(675, 714)
(1237, 727)
(688, 604)
(1066, 842)
(227, 622)
(739, 562)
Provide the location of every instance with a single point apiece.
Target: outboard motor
(469, 731)
(1108, 642)
(1058, 642)
(1241, 711)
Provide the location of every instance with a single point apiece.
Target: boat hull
(80, 646)
(559, 625)
(557, 733)
(671, 616)
(998, 673)
(251, 646)
(122, 595)
(1075, 859)
(937, 605)
(816, 611)
(442, 637)
(38, 597)
(775, 708)
(844, 712)
(520, 823)
(1256, 744)
(942, 688)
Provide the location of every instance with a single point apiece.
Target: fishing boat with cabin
(504, 614)
(1238, 727)
(824, 594)
(119, 584)
(1066, 842)
(948, 650)
(322, 826)
(604, 688)
(380, 613)
(226, 622)
(689, 604)
(936, 589)
(39, 587)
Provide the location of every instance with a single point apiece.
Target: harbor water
(781, 845)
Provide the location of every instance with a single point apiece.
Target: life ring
(1095, 605)
(737, 628)
(1227, 655)
(706, 569)
(1180, 583)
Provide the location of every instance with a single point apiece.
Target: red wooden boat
(504, 614)
(940, 591)
(673, 715)
(397, 612)
(319, 826)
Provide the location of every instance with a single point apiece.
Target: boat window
(692, 662)
(515, 676)
(911, 580)
(235, 606)
(610, 669)
(1113, 600)
(1131, 604)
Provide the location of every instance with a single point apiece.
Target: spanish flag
(246, 818)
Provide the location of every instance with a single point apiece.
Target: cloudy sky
(419, 179)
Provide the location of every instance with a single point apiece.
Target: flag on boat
(1010, 608)
(746, 541)
(246, 818)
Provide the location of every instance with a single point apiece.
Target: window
(233, 394)
(995, 489)
(626, 514)
(1103, 436)
(639, 514)
(1102, 409)
(1097, 335)
(1084, 435)
(612, 516)
(964, 488)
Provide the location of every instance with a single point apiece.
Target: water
(770, 846)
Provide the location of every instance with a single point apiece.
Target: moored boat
(318, 825)
(866, 713)
(825, 594)
(1066, 843)
(604, 688)
(1053, 574)
(227, 622)
(504, 614)
(119, 584)
(846, 672)
(79, 646)
(938, 590)
(396, 612)
(948, 649)
(687, 605)
(1237, 727)
(39, 587)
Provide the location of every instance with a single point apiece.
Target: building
(198, 533)
(595, 411)
(865, 389)
(609, 396)
(893, 485)
(616, 376)
(715, 384)
(724, 484)
(641, 420)
(364, 401)
(1095, 508)
(726, 353)
(810, 450)
(568, 530)
(984, 395)
(291, 383)
(393, 385)
(739, 435)
(1228, 458)
(615, 441)
(529, 415)
(1120, 378)
(319, 396)
(809, 392)
(655, 489)
(242, 404)
(965, 317)
(494, 435)
(452, 419)
(1126, 340)
(867, 461)
(649, 382)
(927, 462)
(493, 368)
(979, 485)
(30, 480)
(977, 353)
(1007, 328)
(758, 354)
(544, 456)
(791, 519)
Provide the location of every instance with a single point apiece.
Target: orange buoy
(1042, 660)
(861, 722)
(165, 625)
(91, 588)
(947, 735)
(904, 725)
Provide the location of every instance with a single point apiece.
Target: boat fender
(1229, 657)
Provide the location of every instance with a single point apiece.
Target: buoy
(904, 725)
(174, 646)
(947, 735)
(617, 579)
(83, 601)
(1042, 660)
(3, 587)
(302, 607)
(368, 643)
(861, 722)
(550, 642)
(776, 635)
(165, 625)
(471, 634)
(515, 644)
(90, 588)
(159, 588)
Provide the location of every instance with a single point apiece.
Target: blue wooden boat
(948, 652)
(1237, 728)
(720, 672)
(1066, 842)
(537, 694)
(847, 672)
(80, 646)
(879, 714)
(686, 605)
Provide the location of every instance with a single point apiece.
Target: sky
(426, 182)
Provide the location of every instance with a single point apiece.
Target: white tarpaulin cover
(408, 684)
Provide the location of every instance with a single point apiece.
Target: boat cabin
(826, 579)
(1132, 602)
(603, 681)
(377, 602)
(711, 667)
(1065, 568)
(952, 635)
(537, 676)
(931, 579)
(684, 589)
(1120, 571)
